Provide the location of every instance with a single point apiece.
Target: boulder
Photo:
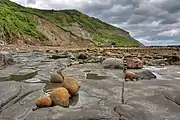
(129, 75)
(113, 63)
(60, 96)
(56, 77)
(146, 74)
(5, 59)
(71, 85)
(44, 102)
(82, 56)
(134, 63)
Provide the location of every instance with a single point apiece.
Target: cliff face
(72, 28)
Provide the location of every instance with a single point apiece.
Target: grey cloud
(135, 19)
(144, 19)
(169, 21)
(31, 1)
(171, 6)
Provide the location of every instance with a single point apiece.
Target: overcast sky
(152, 22)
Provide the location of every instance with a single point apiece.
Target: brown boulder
(71, 85)
(130, 75)
(60, 96)
(134, 63)
(44, 102)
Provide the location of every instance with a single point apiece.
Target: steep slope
(71, 28)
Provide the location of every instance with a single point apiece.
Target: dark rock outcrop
(5, 60)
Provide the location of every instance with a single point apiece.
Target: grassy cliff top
(16, 20)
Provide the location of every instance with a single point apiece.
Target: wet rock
(146, 74)
(113, 63)
(44, 102)
(60, 96)
(5, 59)
(82, 56)
(23, 74)
(134, 63)
(61, 55)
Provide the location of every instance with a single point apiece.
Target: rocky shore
(25, 76)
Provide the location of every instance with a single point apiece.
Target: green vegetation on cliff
(16, 20)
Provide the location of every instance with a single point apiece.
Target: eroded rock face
(134, 63)
(113, 63)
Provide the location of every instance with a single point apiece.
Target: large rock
(71, 85)
(134, 63)
(56, 77)
(5, 59)
(82, 56)
(113, 63)
(44, 102)
(60, 96)
(146, 74)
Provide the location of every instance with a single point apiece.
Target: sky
(152, 22)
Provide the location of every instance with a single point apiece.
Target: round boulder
(60, 96)
(71, 85)
(113, 63)
(134, 63)
(44, 102)
(56, 77)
